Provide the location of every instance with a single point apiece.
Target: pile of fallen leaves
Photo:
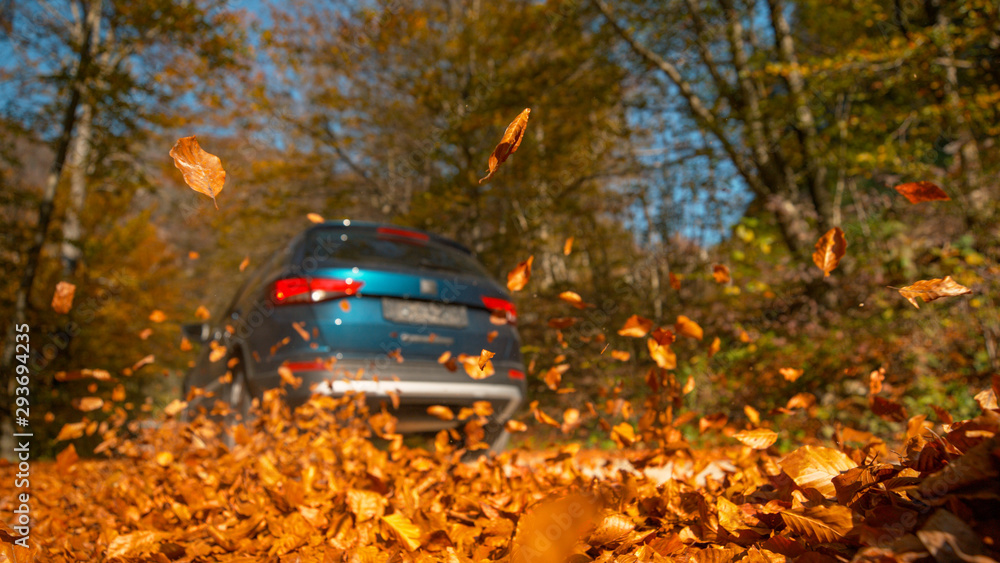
(324, 484)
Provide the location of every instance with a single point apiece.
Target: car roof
(350, 224)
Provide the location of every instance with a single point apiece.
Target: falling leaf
(192, 255)
(721, 273)
(688, 385)
(554, 375)
(288, 377)
(568, 246)
(145, 333)
(62, 299)
(145, 361)
(917, 192)
(244, 263)
(574, 299)
(758, 439)
(300, 327)
(484, 358)
(315, 217)
(830, 248)
(714, 347)
(659, 348)
(752, 414)
(185, 344)
(157, 316)
(509, 143)
(623, 434)
(491, 336)
(929, 290)
(689, 328)
(202, 313)
(164, 459)
(440, 412)
(515, 426)
(471, 365)
(518, 277)
(636, 327)
(790, 374)
(202, 171)
(87, 404)
(71, 431)
(801, 401)
(174, 408)
(562, 323)
(675, 281)
(621, 355)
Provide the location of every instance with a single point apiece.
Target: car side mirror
(198, 332)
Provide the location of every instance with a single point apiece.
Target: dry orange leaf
(315, 217)
(62, 299)
(636, 327)
(752, 414)
(174, 408)
(518, 277)
(623, 434)
(688, 385)
(192, 255)
(202, 313)
(202, 171)
(509, 143)
(821, 524)
(157, 316)
(491, 336)
(830, 248)
(472, 367)
(621, 355)
(568, 246)
(574, 299)
(484, 358)
(917, 192)
(714, 347)
(515, 426)
(71, 431)
(675, 281)
(553, 377)
(688, 328)
(815, 467)
(87, 404)
(721, 273)
(244, 263)
(929, 290)
(758, 439)
(440, 412)
(550, 530)
(791, 374)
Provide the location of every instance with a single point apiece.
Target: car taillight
(313, 290)
(403, 233)
(515, 374)
(502, 306)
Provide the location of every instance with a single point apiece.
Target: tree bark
(45, 209)
(70, 249)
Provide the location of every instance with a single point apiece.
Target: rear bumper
(417, 385)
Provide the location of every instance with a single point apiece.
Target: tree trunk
(79, 167)
(45, 208)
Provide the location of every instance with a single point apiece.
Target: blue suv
(400, 314)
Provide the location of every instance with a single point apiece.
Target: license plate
(424, 313)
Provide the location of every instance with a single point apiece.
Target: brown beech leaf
(823, 524)
(721, 273)
(675, 281)
(758, 439)
(315, 218)
(484, 358)
(554, 376)
(560, 323)
(244, 263)
(572, 516)
(790, 374)
(518, 277)
(714, 347)
(636, 327)
(87, 404)
(689, 328)
(202, 313)
(62, 299)
(621, 355)
(202, 171)
(929, 290)
(574, 299)
(440, 412)
(568, 246)
(830, 248)
(888, 410)
(71, 431)
(157, 316)
(471, 365)
(509, 143)
(815, 467)
(365, 505)
(515, 426)
(917, 192)
(623, 434)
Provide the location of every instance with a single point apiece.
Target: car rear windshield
(387, 247)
